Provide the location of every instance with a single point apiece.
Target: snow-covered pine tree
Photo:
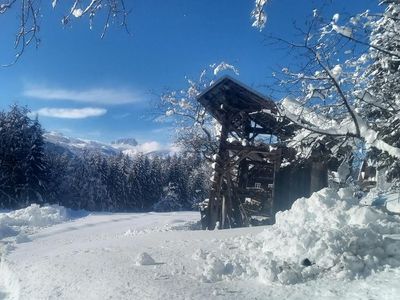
(22, 162)
(198, 180)
(57, 171)
(148, 183)
(171, 201)
(97, 189)
(35, 169)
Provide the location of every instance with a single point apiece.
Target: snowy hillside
(129, 146)
(325, 247)
(77, 146)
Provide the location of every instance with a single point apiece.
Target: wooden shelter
(250, 178)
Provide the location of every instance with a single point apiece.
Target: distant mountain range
(125, 141)
(73, 146)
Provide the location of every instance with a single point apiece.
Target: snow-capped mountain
(63, 144)
(129, 146)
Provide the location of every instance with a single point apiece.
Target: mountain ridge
(129, 146)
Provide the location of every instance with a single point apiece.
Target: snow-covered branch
(345, 83)
(258, 14)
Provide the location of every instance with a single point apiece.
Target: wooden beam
(215, 199)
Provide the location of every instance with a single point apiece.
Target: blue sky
(116, 79)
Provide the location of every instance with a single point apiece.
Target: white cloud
(147, 148)
(70, 113)
(107, 96)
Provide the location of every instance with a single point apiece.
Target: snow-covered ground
(325, 247)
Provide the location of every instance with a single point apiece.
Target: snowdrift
(327, 235)
(16, 224)
(388, 200)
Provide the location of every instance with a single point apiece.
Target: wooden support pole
(215, 199)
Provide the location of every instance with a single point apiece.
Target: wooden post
(215, 199)
(227, 202)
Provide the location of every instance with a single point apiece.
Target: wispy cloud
(163, 130)
(109, 96)
(70, 113)
(121, 116)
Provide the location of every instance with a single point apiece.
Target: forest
(33, 172)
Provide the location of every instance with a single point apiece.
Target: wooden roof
(228, 98)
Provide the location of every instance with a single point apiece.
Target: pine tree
(22, 161)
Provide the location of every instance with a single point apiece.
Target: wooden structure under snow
(249, 178)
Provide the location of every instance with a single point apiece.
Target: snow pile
(327, 235)
(22, 220)
(393, 203)
(144, 259)
(389, 200)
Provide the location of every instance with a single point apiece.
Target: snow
(336, 71)
(371, 138)
(343, 30)
(341, 240)
(326, 246)
(77, 12)
(15, 223)
(169, 112)
(144, 259)
(299, 113)
(393, 203)
(259, 15)
(335, 18)
(223, 66)
(308, 118)
(388, 200)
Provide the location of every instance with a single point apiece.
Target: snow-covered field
(325, 247)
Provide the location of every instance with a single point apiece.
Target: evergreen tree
(22, 161)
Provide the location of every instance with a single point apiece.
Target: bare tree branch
(29, 15)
